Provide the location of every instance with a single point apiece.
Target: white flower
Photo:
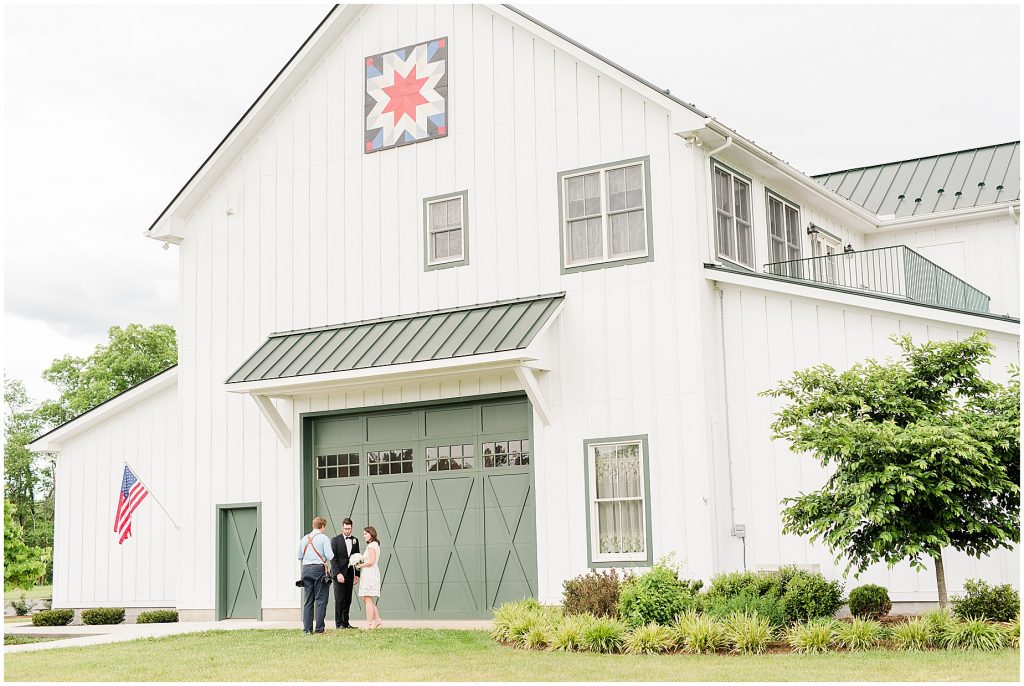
(354, 559)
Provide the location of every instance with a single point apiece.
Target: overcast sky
(109, 109)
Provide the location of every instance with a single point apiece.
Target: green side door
(238, 583)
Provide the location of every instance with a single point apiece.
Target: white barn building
(457, 276)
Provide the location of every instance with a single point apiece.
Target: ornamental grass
(649, 639)
(913, 634)
(973, 634)
(699, 634)
(748, 633)
(859, 634)
(815, 636)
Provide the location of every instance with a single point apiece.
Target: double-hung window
(444, 217)
(605, 214)
(783, 232)
(734, 235)
(618, 500)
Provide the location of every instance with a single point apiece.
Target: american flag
(133, 492)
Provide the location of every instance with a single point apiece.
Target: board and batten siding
(766, 337)
(90, 568)
(985, 253)
(322, 233)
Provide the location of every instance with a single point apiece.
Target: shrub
(103, 615)
(596, 593)
(157, 617)
(870, 601)
(53, 617)
(911, 635)
(754, 584)
(657, 596)
(860, 634)
(649, 639)
(768, 607)
(567, 635)
(973, 634)
(604, 635)
(21, 606)
(748, 633)
(699, 633)
(995, 603)
(808, 595)
(815, 636)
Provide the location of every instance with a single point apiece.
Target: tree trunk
(940, 578)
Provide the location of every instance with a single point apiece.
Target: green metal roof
(438, 335)
(952, 181)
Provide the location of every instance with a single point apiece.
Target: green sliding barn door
(450, 492)
(238, 583)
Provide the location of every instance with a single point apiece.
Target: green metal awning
(423, 337)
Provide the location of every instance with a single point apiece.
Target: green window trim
(605, 262)
(428, 263)
(720, 252)
(622, 561)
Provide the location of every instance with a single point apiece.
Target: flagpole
(150, 490)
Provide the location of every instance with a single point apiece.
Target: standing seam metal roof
(443, 334)
(951, 181)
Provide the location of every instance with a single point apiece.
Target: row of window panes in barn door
(438, 459)
(619, 498)
(446, 230)
(607, 225)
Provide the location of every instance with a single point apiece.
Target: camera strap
(309, 542)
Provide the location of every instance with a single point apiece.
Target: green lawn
(427, 655)
(34, 592)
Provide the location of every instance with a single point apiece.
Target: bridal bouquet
(354, 559)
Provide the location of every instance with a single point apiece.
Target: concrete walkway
(84, 635)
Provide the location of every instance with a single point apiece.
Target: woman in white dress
(369, 578)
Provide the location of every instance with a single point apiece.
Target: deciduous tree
(924, 453)
(130, 355)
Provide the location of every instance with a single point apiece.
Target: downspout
(1014, 215)
(728, 444)
(720, 148)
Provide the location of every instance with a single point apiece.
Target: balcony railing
(895, 271)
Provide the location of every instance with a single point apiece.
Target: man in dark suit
(345, 577)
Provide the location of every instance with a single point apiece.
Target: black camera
(325, 579)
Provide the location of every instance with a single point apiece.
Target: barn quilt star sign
(407, 95)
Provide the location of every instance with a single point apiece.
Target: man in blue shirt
(314, 553)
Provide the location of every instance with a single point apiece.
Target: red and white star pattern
(406, 95)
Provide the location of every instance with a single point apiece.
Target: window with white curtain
(733, 233)
(783, 230)
(445, 222)
(605, 217)
(617, 492)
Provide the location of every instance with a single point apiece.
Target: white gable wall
(323, 233)
(90, 568)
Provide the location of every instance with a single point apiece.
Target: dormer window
(733, 234)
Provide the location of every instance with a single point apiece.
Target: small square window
(445, 220)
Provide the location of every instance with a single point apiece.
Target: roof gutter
(794, 174)
(952, 216)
